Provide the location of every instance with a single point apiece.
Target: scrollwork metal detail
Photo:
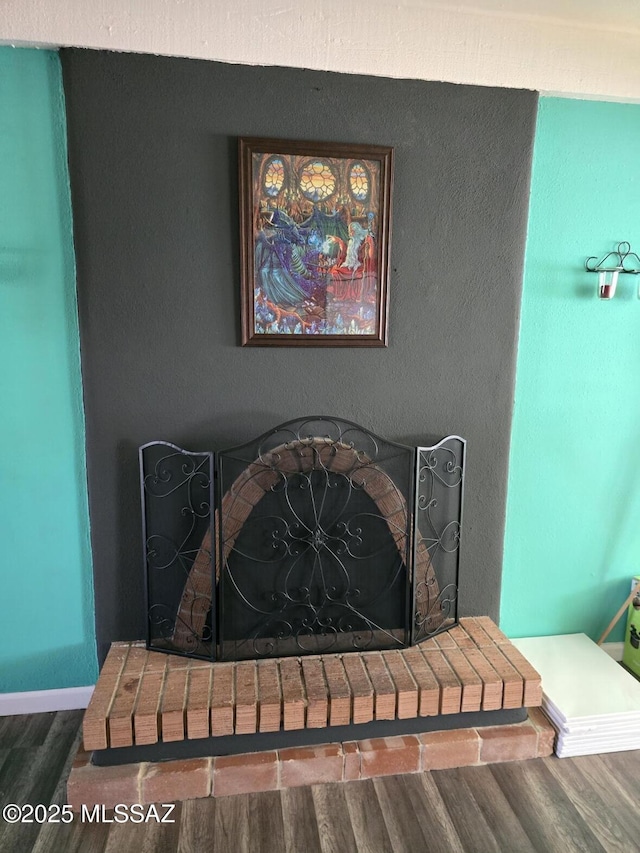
(438, 525)
(328, 538)
(176, 489)
(328, 534)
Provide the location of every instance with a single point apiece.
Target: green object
(46, 577)
(631, 655)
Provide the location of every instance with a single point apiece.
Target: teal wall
(572, 540)
(46, 593)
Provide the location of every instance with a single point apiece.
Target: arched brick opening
(302, 457)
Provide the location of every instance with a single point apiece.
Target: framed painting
(315, 227)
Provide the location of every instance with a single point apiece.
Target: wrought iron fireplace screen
(327, 538)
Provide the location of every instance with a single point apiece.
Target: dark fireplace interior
(327, 538)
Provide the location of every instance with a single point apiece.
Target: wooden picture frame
(315, 236)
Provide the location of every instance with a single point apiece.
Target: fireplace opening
(327, 538)
(302, 576)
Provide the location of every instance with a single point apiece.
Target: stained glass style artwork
(315, 243)
(359, 181)
(274, 177)
(317, 181)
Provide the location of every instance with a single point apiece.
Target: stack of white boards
(592, 701)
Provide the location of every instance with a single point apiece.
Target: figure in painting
(315, 248)
(279, 260)
(354, 275)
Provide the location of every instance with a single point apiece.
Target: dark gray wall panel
(152, 147)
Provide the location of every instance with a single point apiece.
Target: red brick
(198, 702)
(269, 697)
(429, 689)
(383, 687)
(293, 697)
(246, 698)
(446, 749)
(105, 786)
(172, 710)
(121, 711)
(469, 678)
(316, 690)
(146, 719)
(361, 689)
(175, 662)
(222, 700)
(156, 662)
(351, 761)
(445, 641)
(450, 687)
(169, 781)
(230, 529)
(406, 687)
(508, 743)
(339, 691)
(94, 724)
(248, 488)
(513, 685)
(196, 598)
(82, 758)
(389, 756)
(310, 765)
(491, 629)
(491, 681)
(236, 507)
(390, 503)
(476, 632)
(546, 732)
(259, 473)
(290, 457)
(245, 774)
(532, 681)
(375, 482)
(462, 639)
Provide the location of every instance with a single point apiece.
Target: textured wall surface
(46, 596)
(572, 542)
(573, 47)
(152, 145)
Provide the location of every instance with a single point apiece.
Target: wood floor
(546, 805)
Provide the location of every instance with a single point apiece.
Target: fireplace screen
(326, 538)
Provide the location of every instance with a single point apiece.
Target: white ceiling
(576, 48)
(620, 15)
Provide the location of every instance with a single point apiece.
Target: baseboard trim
(40, 701)
(614, 650)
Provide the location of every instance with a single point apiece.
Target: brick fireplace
(144, 698)
(325, 538)
(304, 586)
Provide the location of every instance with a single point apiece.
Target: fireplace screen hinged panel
(325, 538)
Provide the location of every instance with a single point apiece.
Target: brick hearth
(224, 775)
(146, 697)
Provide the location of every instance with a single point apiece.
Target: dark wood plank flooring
(545, 805)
